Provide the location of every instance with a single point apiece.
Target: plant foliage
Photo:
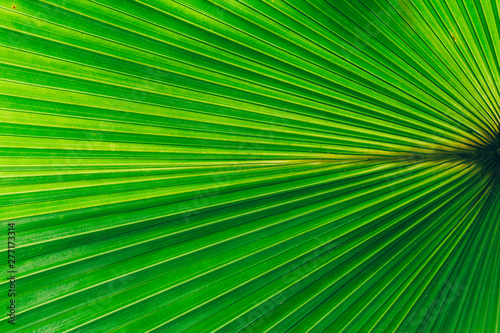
(251, 165)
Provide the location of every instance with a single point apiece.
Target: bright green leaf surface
(251, 165)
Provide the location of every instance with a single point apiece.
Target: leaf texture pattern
(251, 165)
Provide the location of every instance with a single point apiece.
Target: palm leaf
(255, 166)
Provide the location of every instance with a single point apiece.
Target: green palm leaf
(254, 166)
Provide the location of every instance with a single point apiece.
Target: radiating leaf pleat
(251, 166)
